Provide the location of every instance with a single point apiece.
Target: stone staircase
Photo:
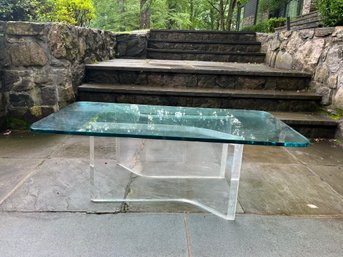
(215, 46)
(307, 21)
(215, 84)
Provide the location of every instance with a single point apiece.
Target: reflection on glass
(171, 123)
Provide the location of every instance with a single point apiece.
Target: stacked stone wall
(42, 65)
(3, 109)
(132, 45)
(318, 51)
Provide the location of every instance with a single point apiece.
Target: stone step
(309, 124)
(195, 74)
(202, 35)
(267, 100)
(173, 54)
(209, 46)
(307, 16)
(312, 125)
(310, 25)
(305, 21)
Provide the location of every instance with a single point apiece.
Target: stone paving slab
(267, 154)
(289, 189)
(333, 175)
(274, 180)
(25, 145)
(61, 185)
(265, 236)
(319, 153)
(13, 172)
(78, 147)
(71, 235)
(170, 235)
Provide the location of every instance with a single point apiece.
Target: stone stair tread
(195, 67)
(305, 118)
(208, 92)
(201, 31)
(178, 51)
(307, 16)
(304, 23)
(206, 42)
(308, 25)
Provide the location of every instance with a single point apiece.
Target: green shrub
(331, 12)
(267, 26)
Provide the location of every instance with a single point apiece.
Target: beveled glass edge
(212, 140)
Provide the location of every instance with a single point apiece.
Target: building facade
(251, 13)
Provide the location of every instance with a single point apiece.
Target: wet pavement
(290, 200)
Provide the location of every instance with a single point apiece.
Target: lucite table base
(194, 188)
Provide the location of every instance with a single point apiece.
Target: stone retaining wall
(3, 106)
(318, 51)
(132, 45)
(42, 64)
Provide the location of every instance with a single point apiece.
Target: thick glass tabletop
(171, 123)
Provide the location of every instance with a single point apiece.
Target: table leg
(234, 181)
(231, 178)
(223, 162)
(91, 167)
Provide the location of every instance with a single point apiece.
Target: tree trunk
(230, 14)
(191, 14)
(144, 14)
(221, 15)
(171, 9)
(212, 18)
(122, 12)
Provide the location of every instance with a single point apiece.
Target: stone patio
(44, 201)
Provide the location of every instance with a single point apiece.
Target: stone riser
(2, 121)
(205, 47)
(315, 131)
(265, 104)
(161, 79)
(304, 21)
(202, 36)
(207, 57)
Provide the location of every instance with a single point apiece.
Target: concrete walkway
(45, 208)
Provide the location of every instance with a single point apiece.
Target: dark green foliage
(272, 5)
(20, 10)
(266, 26)
(331, 12)
(16, 123)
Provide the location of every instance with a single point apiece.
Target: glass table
(225, 130)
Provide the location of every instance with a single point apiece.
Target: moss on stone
(36, 111)
(17, 123)
(337, 114)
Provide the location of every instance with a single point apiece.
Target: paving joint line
(21, 182)
(188, 236)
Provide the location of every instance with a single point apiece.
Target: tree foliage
(272, 5)
(20, 10)
(75, 12)
(126, 15)
(331, 11)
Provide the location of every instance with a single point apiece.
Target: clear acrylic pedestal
(205, 175)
